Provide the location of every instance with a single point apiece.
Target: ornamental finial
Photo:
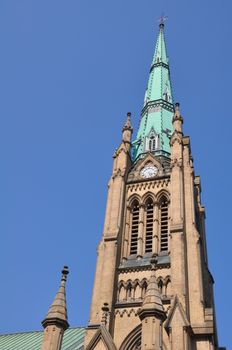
(127, 125)
(161, 21)
(177, 106)
(65, 273)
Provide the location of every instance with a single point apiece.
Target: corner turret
(56, 321)
(177, 119)
(127, 131)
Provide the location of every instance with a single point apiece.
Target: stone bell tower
(153, 289)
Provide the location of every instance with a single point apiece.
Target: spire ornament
(158, 109)
(56, 321)
(65, 273)
(127, 130)
(161, 21)
(57, 313)
(127, 125)
(177, 120)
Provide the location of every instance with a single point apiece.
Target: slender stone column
(127, 233)
(141, 230)
(155, 242)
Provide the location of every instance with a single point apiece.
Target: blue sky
(69, 72)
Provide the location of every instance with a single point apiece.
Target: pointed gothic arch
(144, 285)
(152, 141)
(129, 291)
(132, 199)
(137, 290)
(133, 340)
(160, 285)
(167, 284)
(163, 193)
(121, 291)
(148, 194)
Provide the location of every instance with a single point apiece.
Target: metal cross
(162, 19)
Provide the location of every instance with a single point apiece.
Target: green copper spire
(156, 117)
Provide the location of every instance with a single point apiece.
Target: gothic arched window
(168, 287)
(163, 224)
(129, 291)
(160, 286)
(149, 225)
(144, 289)
(152, 143)
(134, 228)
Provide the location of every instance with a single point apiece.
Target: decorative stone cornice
(161, 183)
(157, 103)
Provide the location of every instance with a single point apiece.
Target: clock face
(149, 171)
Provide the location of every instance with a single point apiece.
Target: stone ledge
(93, 326)
(204, 329)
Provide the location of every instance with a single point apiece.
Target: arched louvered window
(134, 228)
(163, 224)
(152, 143)
(149, 226)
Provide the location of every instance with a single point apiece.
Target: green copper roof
(73, 340)
(157, 112)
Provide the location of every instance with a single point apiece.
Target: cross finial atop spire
(161, 20)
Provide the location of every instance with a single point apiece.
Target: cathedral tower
(153, 289)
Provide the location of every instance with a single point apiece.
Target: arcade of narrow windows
(135, 290)
(147, 227)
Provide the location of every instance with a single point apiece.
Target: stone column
(155, 242)
(141, 233)
(126, 233)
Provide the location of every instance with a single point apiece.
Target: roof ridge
(41, 331)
